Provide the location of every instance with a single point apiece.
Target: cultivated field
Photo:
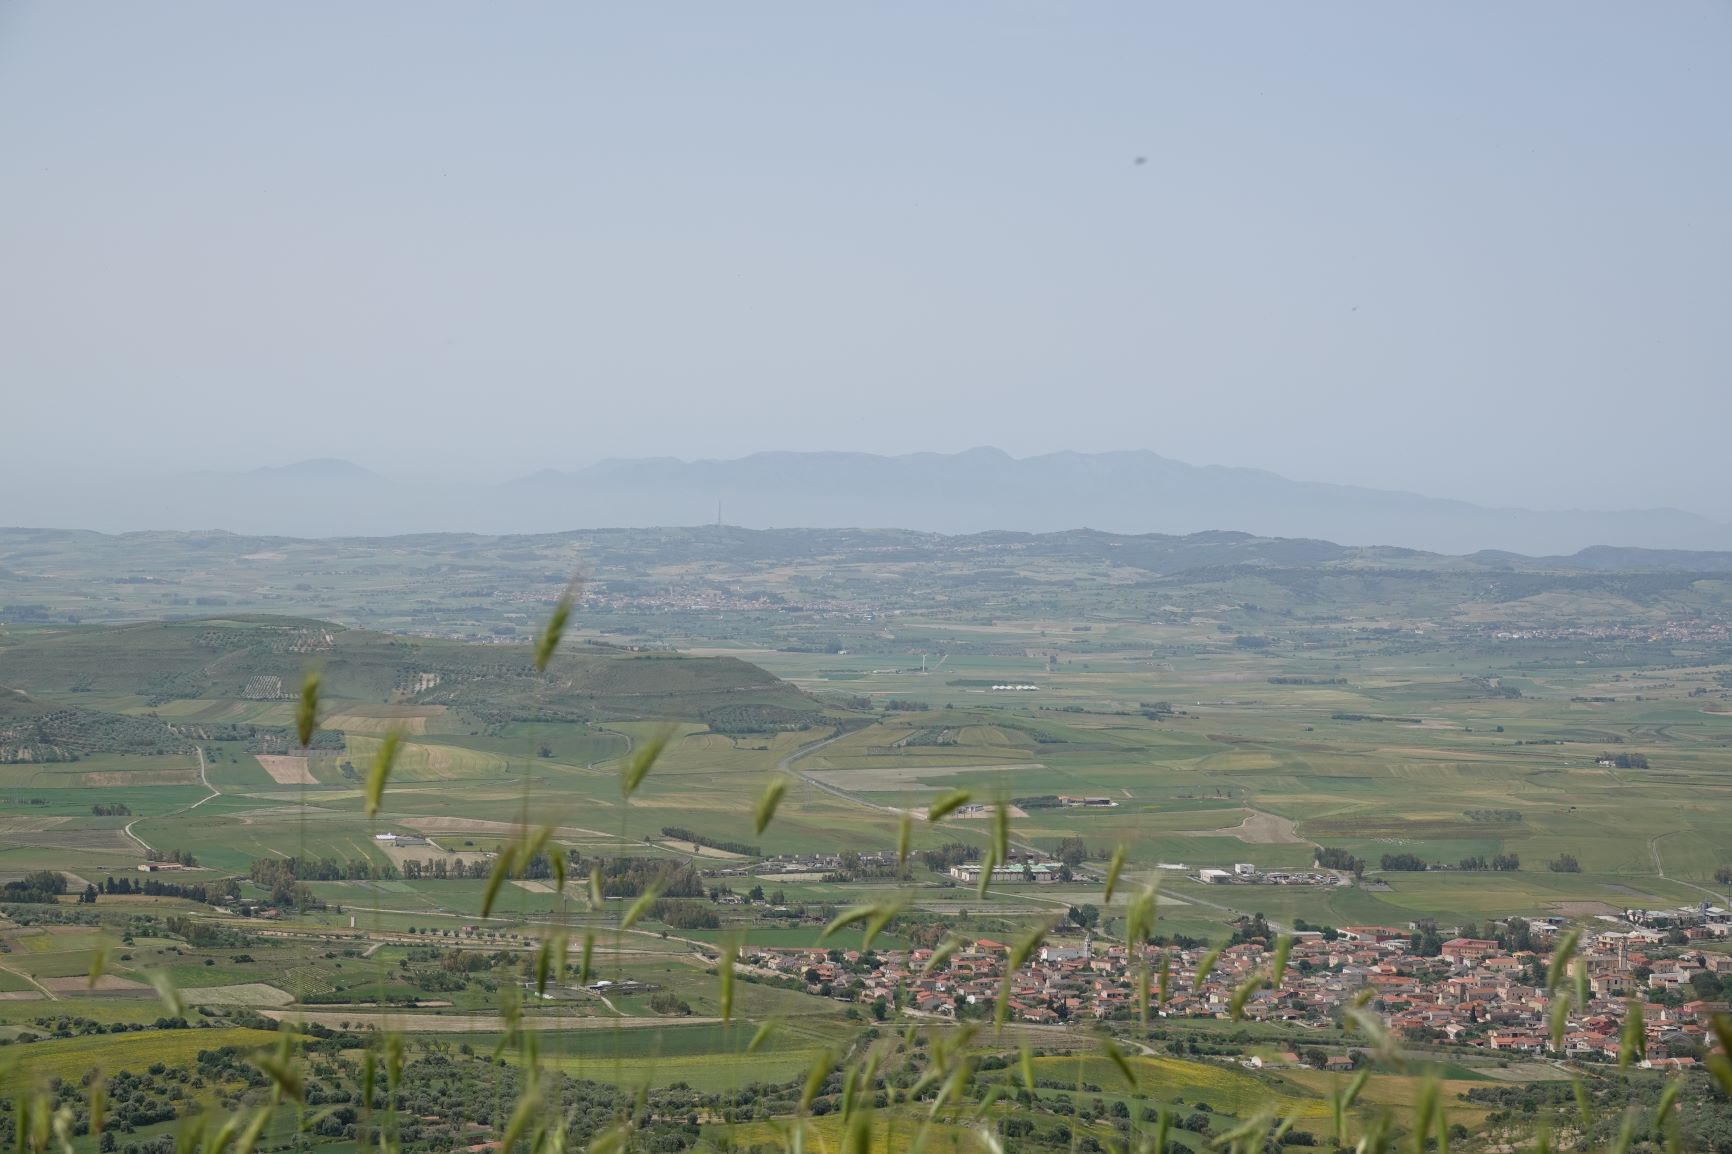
(1253, 715)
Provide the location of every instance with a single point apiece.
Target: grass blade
(846, 918)
(1114, 869)
(502, 868)
(307, 710)
(1634, 1042)
(1283, 947)
(945, 951)
(767, 804)
(380, 773)
(725, 971)
(555, 629)
(947, 805)
(641, 763)
(987, 867)
(1206, 967)
(1118, 1058)
(640, 907)
(1561, 959)
(167, 994)
(815, 1076)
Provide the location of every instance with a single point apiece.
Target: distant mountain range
(974, 491)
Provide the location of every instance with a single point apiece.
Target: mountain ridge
(977, 490)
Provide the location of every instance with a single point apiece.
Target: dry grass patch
(286, 769)
(241, 994)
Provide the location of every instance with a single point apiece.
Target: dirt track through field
(1258, 828)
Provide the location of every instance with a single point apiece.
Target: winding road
(204, 780)
(1660, 867)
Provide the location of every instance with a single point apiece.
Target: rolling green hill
(263, 659)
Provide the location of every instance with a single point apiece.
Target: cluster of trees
(1072, 851)
(439, 868)
(949, 854)
(1329, 933)
(181, 857)
(1426, 941)
(440, 1094)
(681, 833)
(455, 961)
(758, 719)
(116, 809)
(1253, 928)
(665, 1003)
(38, 886)
(1625, 760)
(1515, 936)
(1565, 863)
(1705, 1124)
(906, 706)
(329, 869)
(1413, 863)
(1332, 858)
(628, 877)
(684, 914)
(211, 894)
(266, 739)
(202, 934)
(282, 878)
(1086, 916)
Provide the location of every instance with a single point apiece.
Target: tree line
(681, 833)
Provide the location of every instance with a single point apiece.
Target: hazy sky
(1478, 250)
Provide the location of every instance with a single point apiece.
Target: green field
(1375, 712)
